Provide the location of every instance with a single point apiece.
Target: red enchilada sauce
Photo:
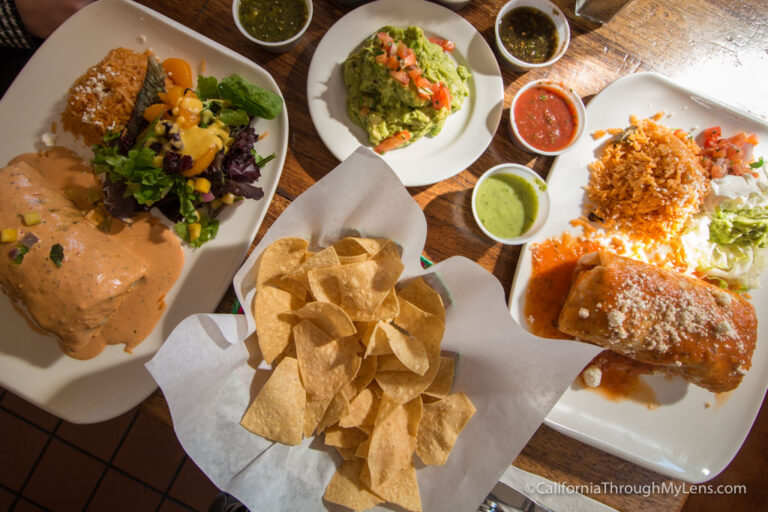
(545, 118)
(554, 261)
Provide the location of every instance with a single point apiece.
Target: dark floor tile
(28, 411)
(172, 506)
(150, 452)
(99, 439)
(64, 479)
(6, 499)
(25, 506)
(20, 445)
(119, 493)
(193, 488)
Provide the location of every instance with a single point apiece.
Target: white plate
(31, 364)
(681, 438)
(466, 133)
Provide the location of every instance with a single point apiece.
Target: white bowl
(569, 93)
(542, 196)
(276, 46)
(561, 24)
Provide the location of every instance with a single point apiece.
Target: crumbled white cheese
(722, 298)
(592, 375)
(615, 318)
(142, 38)
(49, 139)
(583, 313)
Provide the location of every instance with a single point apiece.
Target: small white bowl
(570, 94)
(542, 196)
(561, 24)
(273, 46)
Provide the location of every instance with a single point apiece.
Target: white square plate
(31, 363)
(682, 438)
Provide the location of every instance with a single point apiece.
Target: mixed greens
(190, 153)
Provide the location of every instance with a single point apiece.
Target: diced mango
(194, 231)
(202, 185)
(32, 218)
(9, 235)
(228, 198)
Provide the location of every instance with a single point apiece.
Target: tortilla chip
(401, 490)
(424, 297)
(345, 488)
(362, 450)
(405, 386)
(325, 258)
(326, 364)
(362, 410)
(347, 453)
(388, 310)
(274, 323)
(344, 437)
(393, 440)
(336, 409)
(277, 412)
(376, 340)
(313, 413)
(443, 381)
(390, 363)
(440, 426)
(427, 327)
(333, 320)
(409, 350)
(280, 257)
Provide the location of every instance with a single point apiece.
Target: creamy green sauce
(389, 107)
(507, 205)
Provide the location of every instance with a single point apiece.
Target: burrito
(687, 326)
(72, 277)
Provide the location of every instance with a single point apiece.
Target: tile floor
(131, 463)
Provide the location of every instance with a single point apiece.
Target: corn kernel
(228, 198)
(194, 231)
(202, 185)
(9, 235)
(32, 218)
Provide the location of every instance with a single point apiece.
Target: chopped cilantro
(57, 255)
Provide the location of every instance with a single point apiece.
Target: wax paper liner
(512, 377)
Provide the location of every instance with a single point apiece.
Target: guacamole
(390, 95)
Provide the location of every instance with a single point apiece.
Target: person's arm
(13, 33)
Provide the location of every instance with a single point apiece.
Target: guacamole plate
(466, 133)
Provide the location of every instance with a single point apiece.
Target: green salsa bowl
(276, 19)
(510, 203)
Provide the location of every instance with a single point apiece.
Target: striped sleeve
(12, 31)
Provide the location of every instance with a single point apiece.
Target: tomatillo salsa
(506, 204)
(529, 34)
(273, 20)
(545, 118)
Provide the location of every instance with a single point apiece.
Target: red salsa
(545, 118)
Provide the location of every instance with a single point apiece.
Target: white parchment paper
(512, 377)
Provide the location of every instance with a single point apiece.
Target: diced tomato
(445, 44)
(403, 50)
(441, 96)
(386, 40)
(752, 139)
(393, 142)
(364, 111)
(409, 61)
(717, 172)
(401, 76)
(382, 59)
(738, 139)
(393, 63)
(713, 133)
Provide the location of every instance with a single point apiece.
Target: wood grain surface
(719, 48)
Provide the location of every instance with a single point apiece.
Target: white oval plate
(31, 364)
(681, 438)
(466, 133)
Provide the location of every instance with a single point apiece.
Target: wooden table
(716, 47)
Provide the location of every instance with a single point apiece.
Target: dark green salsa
(273, 20)
(529, 34)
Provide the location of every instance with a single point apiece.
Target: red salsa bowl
(547, 117)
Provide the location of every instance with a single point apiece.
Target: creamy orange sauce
(554, 261)
(621, 379)
(110, 288)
